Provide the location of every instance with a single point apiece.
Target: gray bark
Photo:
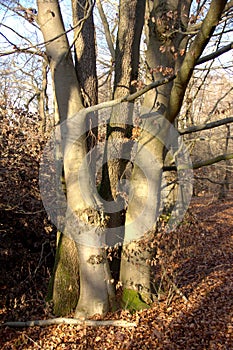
(161, 61)
(69, 102)
(142, 212)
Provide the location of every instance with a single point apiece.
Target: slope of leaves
(26, 237)
(195, 264)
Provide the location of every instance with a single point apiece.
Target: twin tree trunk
(82, 277)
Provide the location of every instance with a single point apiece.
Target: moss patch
(132, 301)
(63, 286)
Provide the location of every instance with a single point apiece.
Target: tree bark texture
(131, 19)
(79, 209)
(68, 101)
(85, 63)
(142, 212)
(162, 59)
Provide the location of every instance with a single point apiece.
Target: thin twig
(174, 286)
(35, 343)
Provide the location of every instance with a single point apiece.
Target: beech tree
(176, 34)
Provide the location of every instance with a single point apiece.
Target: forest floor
(195, 309)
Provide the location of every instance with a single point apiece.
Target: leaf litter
(199, 258)
(195, 305)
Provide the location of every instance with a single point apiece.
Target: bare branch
(17, 11)
(215, 54)
(202, 163)
(106, 29)
(36, 46)
(63, 320)
(16, 32)
(193, 28)
(128, 98)
(229, 6)
(151, 86)
(212, 161)
(210, 180)
(201, 127)
(21, 50)
(218, 101)
(192, 56)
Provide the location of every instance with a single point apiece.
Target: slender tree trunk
(117, 150)
(225, 185)
(85, 63)
(126, 71)
(96, 292)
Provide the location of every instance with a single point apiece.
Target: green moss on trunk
(131, 300)
(63, 288)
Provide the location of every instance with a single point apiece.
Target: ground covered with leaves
(194, 308)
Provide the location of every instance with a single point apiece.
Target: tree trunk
(85, 63)
(225, 186)
(64, 286)
(117, 149)
(81, 206)
(165, 47)
(120, 125)
(43, 99)
(141, 216)
(68, 101)
(96, 289)
(142, 213)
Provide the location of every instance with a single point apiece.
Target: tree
(176, 34)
